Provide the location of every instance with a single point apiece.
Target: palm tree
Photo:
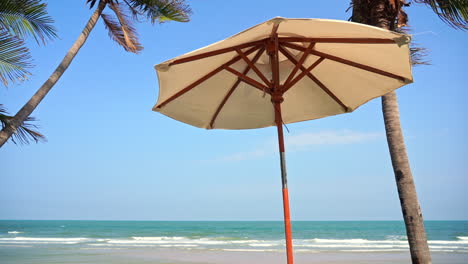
(20, 19)
(389, 14)
(119, 26)
(25, 133)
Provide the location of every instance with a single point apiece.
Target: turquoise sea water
(309, 236)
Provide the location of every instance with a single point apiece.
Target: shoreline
(110, 242)
(180, 256)
(226, 257)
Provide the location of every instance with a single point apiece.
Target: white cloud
(305, 141)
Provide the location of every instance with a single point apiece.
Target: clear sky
(108, 156)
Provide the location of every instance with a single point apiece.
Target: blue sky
(108, 156)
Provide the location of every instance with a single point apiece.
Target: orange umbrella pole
(277, 91)
(287, 218)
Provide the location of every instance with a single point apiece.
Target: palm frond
(91, 3)
(124, 29)
(114, 29)
(452, 12)
(121, 31)
(27, 18)
(25, 133)
(370, 12)
(362, 13)
(161, 10)
(15, 58)
(135, 13)
(418, 53)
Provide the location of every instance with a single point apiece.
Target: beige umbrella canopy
(347, 64)
(283, 71)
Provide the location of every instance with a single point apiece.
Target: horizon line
(196, 220)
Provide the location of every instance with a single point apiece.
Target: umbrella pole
(284, 181)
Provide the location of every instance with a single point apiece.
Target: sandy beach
(176, 256)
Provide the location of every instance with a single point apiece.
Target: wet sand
(28, 255)
(223, 257)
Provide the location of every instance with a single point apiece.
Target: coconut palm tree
(25, 133)
(19, 20)
(120, 28)
(389, 14)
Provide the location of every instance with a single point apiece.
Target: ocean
(44, 241)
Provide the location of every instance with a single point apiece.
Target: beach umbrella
(283, 71)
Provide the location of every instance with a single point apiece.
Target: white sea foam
(178, 245)
(445, 247)
(249, 250)
(101, 246)
(396, 237)
(245, 241)
(306, 250)
(168, 240)
(307, 245)
(370, 250)
(45, 239)
(120, 246)
(349, 241)
(15, 232)
(130, 241)
(446, 242)
(262, 245)
(164, 238)
(42, 240)
(37, 242)
(354, 246)
(356, 241)
(364, 245)
(224, 244)
(463, 238)
(22, 246)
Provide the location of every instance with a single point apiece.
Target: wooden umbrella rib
(216, 52)
(304, 73)
(314, 79)
(274, 29)
(347, 62)
(206, 77)
(325, 89)
(284, 39)
(286, 42)
(236, 84)
(298, 64)
(339, 40)
(253, 67)
(247, 79)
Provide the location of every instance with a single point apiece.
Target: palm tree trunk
(29, 107)
(412, 215)
(382, 14)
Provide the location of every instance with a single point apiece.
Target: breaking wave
(247, 245)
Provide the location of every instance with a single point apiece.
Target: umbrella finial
(276, 21)
(402, 40)
(163, 67)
